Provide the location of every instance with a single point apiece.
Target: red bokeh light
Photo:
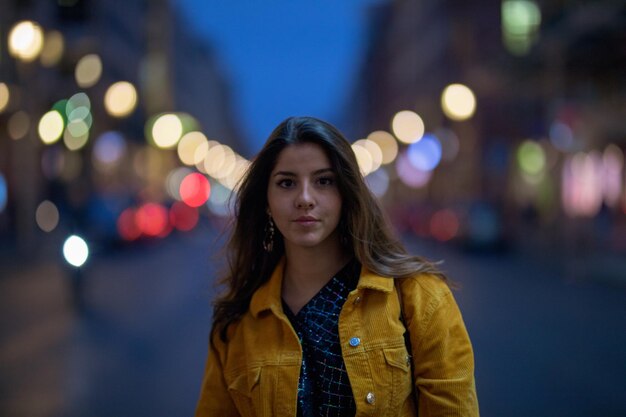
(195, 189)
(183, 217)
(127, 226)
(444, 225)
(152, 220)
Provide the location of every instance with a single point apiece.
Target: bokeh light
(408, 126)
(47, 216)
(77, 127)
(188, 122)
(4, 193)
(200, 166)
(79, 120)
(153, 220)
(26, 41)
(51, 127)
(483, 226)
(120, 99)
(425, 155)
(363, 158)
(387, 144)
(218, 204)
(458, 102)
(127, 226)
(582, 191)
(613, 179)
(108, 150)
(61, 107)
(18, 125)
(409, 175)
(88, 70)
(76, 135)
(444, 225)
(531, 158)
(241, 167)
(78, 107)
(183, 217)
(174, 178)
(195, 189)
(378, 182)
(520, 24)
(220, 161)
(192, 148)
(75, 250)
(374, 151)
(5, 95)
(166, 131)
(561, 136)
(53, 48)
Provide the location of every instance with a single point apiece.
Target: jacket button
(355, 341)
(357, 300)
(370, 398)
(408, 360)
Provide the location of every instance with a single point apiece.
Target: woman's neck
(307, 270)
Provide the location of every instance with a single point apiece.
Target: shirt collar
(268, 296)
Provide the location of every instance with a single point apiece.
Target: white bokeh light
(75, 251)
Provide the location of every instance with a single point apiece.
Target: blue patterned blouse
(324, 388)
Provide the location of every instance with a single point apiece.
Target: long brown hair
(363, 226)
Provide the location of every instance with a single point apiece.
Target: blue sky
(284, 57)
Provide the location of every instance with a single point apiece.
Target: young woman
(319, 295)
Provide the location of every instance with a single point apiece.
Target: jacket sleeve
(215, 399)
(443, 359)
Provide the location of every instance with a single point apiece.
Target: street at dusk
(493, 135)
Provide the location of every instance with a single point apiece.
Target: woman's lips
(306, 220)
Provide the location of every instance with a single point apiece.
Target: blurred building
(144, 43)
(547, 134)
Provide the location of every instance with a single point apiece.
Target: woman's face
(303, 197)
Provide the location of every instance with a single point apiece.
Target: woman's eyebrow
(292, 174)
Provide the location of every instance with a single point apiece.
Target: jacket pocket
(244, 390)
(399, 371)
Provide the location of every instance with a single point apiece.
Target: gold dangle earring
(268, 241)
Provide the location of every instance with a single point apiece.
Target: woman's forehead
(302, 155)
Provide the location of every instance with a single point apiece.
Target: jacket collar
(371, 280)
(268, 297)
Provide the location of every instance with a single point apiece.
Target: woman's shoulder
(424, 294)
(427, 284)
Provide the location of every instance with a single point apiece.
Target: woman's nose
(305, 198)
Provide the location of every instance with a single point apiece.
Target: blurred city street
(545, 345)
(136, 348)
(492, 133)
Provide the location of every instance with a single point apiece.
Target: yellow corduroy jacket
(256, 372)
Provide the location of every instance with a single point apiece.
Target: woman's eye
(326, 181)
(285, 183)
